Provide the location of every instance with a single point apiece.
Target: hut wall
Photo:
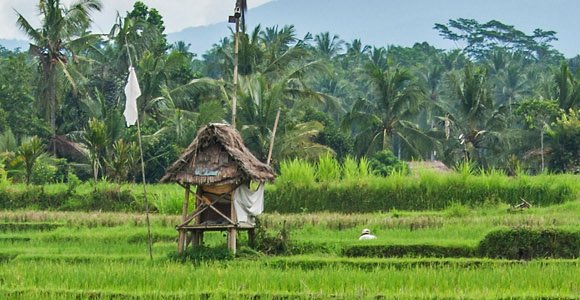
(224, 205)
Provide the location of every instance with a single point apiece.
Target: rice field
(76, 255)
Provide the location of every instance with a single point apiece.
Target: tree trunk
(542, 148)
(48, 96)
(385, 137)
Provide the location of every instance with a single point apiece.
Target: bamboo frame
(196, 237)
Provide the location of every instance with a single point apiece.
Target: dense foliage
(483, 103)
(526, 243)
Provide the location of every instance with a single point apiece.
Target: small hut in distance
(221, 167)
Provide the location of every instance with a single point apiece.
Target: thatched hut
(221, 167)
(434, 165)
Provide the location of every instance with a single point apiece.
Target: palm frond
(34, 35)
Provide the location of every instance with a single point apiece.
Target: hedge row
(515, 243)
(424, 192)
(407, 251)
(110, 198)
(524, 243)
(420, 193)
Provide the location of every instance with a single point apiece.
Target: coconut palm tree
(567, 87)
(261, 96)
(472, 119)
(61, 34)
(328, 46)
(381, 121)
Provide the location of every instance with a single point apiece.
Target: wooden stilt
(233, 232)
(181, 243)
(232, 236)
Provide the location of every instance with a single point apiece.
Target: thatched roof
(434, 165)
(70, 150)
(217, 156)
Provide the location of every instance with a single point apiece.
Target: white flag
(132, 92)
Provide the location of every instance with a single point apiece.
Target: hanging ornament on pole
(132, 92)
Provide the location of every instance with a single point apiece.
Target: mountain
(14, 44)
(397, 22)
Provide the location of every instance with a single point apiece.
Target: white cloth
(247, 203)
(367, 237)
(132, 92)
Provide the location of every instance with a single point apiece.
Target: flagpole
(149, 241)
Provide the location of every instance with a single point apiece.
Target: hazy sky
(177, 14)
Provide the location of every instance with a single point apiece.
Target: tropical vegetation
(487, 103)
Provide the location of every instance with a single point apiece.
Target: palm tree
(356, 52)
(383, 118)
(30, 150)
(261, 98)
(567, 87)
(61, 35)
(123, 159)
(278, 83)
(327, 46)
(537, 114)
(96, 140)
(472, 118)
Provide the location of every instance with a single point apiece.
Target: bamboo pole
(149, 240)
(273, 137)
(236, 49)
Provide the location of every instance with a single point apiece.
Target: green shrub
(3, 173)
(110, 198)
(272, 243)
(386, 163)
(457, 210)
(43, 172)
(527, 243)
(34, 197)
(407, 251)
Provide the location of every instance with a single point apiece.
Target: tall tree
(566, 143)
(567, 87)
(61, 34)
(472, 118)
(17, 82)
(538, 114)
(483, 38)
(328, 46)
(383, 119)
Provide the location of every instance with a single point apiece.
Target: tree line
(504, 100)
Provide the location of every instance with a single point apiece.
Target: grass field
(76, 255)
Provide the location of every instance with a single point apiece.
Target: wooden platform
(193, 233)
(215, 227)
